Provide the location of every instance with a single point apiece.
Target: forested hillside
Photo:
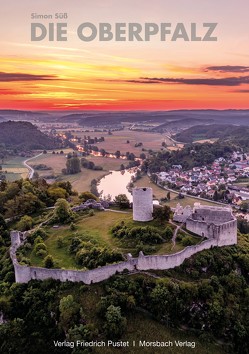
(223, 132)
(25, 136)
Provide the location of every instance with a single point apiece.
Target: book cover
(124, 177)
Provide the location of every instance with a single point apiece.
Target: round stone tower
(142, 204)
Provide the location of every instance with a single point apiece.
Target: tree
(73, 165)
(122, 201)
(103, 152)
(69, 311)
(87, 195)
(115, 322)
(168, 233)
(49, 261)
(243, 226)
(216, 196)
(168, 195)
(62, 211)
(117, 154)
(57, 192)
(3, 224)
(142, 156)
(244, 206)
(25, 223)
(3, 229)
(187, 241)
(162, 214)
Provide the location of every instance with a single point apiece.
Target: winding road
(30, 169)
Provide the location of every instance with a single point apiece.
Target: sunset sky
(151, 75)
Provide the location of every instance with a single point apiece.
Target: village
(215, 182)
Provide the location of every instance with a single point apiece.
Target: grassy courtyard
(97, 230)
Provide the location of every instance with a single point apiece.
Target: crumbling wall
(172, 260)
(24, 273)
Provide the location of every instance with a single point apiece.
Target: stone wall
(172, 260)
(226, 234)
(24, 273)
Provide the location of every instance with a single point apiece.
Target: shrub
(25, 223)
(96, 256)
(37, 233)
(25, 261)
(146, 234)
(168, 233)
(187, 241)
(41, 253)
(40, 246)
(72, 226)
(179, 237)
(49, 261)
(75, 245)
(38, 240)
(27, 246)
(9, 277)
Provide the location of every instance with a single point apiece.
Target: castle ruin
(211, 222)
(218, 225)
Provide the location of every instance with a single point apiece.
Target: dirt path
(178, 227)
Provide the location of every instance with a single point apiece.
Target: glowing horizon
(153, 75)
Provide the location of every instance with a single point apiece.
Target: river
(116, 183)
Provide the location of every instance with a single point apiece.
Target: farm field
(203, 141)
(81, 181)
(15, 168)
(56, 162)
(118, 140)
(176, 147)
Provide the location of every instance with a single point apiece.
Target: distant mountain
(14, 111)
(181, 123)
(233, 133)
(2, 119)
(175, 118)
(14, 114)
(25, 136)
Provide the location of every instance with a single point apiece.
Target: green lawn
(97, 230)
